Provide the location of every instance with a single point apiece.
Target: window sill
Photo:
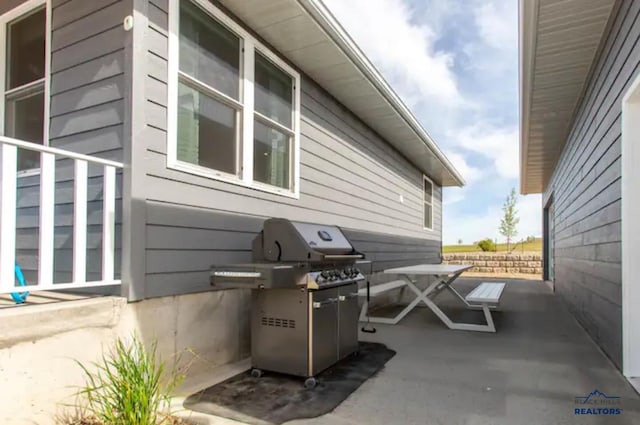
(196, 170)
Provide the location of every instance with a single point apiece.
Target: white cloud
(469, 173)
(500, 145)
(429, 54)
(493, 52)
(453, 195)
(496, 24)
(402, 49)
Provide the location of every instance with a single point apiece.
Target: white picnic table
(484, 297)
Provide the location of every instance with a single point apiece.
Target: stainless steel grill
(304, 304)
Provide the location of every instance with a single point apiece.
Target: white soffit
(306, 33)
(559, 41)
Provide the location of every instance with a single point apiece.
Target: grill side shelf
(256, 276)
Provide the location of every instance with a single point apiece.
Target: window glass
(25, 121)
(206, 131)
(25, 45)
(209, 52)
(428, 190)
(271, 156)
(428, 203)
(273, 91)
(24, 104)
(216, 129)
(427, 216)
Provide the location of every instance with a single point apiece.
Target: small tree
(510, 219)
(487, 245)
(459, 241)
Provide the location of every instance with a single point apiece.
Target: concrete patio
(529, 372)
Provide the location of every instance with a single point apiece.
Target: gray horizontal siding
(184, 242)
(349, 177)
(7, 5)
(387, 251)
(88, 76)
(87, 115)
(585, 188)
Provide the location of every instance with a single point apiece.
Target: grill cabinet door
(279, 330)
(324, 329)
(348, 314)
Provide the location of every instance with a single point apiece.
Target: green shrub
(487, 245)
(129, 386)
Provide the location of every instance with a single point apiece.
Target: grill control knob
(324, 274)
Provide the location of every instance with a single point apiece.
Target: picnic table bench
(485, 297)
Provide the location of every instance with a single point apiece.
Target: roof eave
(325, 19)
(546, 113)
(526, 57)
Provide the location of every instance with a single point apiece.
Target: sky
(455, 64)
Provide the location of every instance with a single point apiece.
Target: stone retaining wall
(496, 262)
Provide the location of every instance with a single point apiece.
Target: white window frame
(247, 69)
(13, 14)
(426, 180)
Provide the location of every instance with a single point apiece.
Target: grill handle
(324, 303)
(343, 256)
(237, 274)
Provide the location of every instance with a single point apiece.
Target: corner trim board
(630, 210)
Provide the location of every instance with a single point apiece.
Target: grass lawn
(535, 246)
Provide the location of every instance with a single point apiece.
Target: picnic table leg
(363, 311)
(489, 318)
(434, 289)
(420, 296)
(444, 283)
(489, 327)
(440, 284)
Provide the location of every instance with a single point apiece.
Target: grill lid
(285, 240)
(325, 239)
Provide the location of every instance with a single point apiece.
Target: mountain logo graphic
(595, 395)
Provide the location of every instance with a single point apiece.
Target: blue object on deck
(20, 297)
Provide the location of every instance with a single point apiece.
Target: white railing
(8, 210)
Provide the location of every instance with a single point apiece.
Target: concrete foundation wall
(40, 344)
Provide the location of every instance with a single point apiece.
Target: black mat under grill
(275, 398)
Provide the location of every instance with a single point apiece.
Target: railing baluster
(80, 222)
(8, 216)
(47, 220)
(108, 222)
(9, 193)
